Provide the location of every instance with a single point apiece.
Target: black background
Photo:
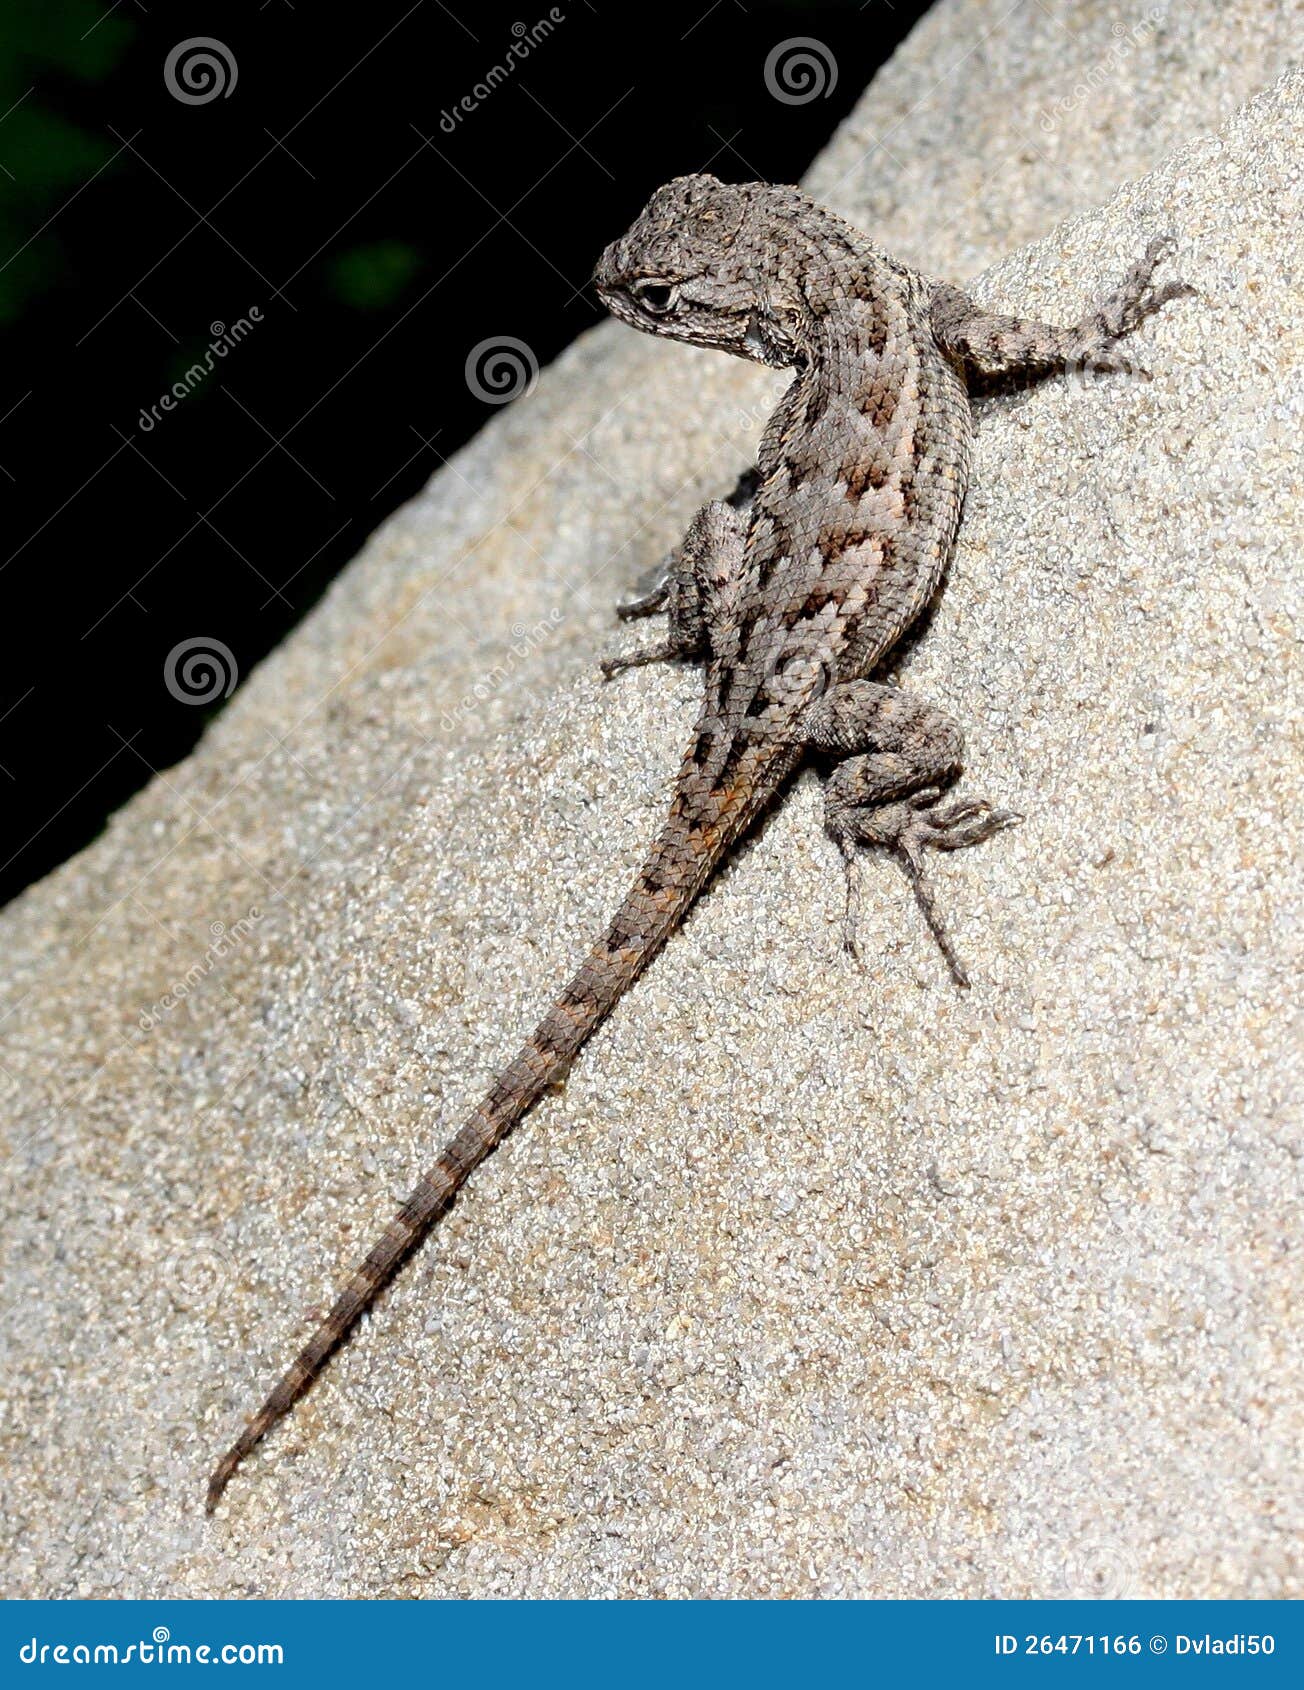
(377, 249)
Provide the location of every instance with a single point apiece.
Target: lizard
(792, 591)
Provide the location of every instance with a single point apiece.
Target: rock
(992, 124)
(813, 1281)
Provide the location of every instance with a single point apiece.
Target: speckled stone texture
(813, 1280)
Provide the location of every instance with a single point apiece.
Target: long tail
(680, 863)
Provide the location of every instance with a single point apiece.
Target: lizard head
(693, 267)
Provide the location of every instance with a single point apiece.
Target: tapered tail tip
(221, 1479)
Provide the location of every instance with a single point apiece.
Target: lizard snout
(606, 272)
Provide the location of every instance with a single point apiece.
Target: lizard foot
(1135, 300)
(917, 824)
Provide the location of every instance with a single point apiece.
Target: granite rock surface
(814, 1280)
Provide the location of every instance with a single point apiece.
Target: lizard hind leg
(698, 593)
(898, 754)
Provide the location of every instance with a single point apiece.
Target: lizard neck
(857, 308)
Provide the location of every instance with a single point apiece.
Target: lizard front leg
(701, 590)
(989, 345)
(898, 755)
(658, 594)
(673, 566)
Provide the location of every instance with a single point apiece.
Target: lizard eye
(654, 296)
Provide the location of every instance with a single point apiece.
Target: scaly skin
(793, 595)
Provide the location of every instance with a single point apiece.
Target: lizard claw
(636, 659)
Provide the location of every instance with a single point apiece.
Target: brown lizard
(793, 591)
